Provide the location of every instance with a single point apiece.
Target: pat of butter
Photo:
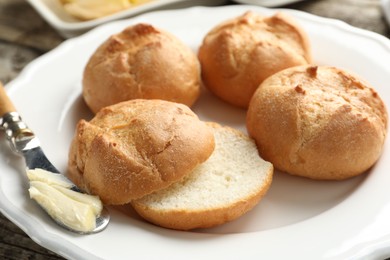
(91, 9)
(73, 209)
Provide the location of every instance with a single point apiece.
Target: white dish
(298, 218)
(386, 9)
(68, 26)
(268, 3)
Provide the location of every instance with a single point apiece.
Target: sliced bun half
(134, 148)
(229, 184)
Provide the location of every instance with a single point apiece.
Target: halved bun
(136, 147)
(230, 183)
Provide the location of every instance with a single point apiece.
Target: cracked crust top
(238, 54)
(141, 62)
(136, 147)
(318, 122)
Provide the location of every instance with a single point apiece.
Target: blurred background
(24, 35)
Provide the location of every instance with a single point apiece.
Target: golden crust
(136, 147)
(318, 122)
(141, 62)
(237, 55)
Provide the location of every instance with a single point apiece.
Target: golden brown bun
(141, 62)
(136, 147)
(226, 186)
(237, 55)
(318, 122)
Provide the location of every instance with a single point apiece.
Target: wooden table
(24, 36)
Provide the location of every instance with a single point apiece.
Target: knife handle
(6, 105)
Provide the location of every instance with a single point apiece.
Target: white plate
(68, 26)
(268, 3)
(298, 218)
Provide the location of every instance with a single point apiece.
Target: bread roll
(141, 62)
(318, 122)
(237, 55)
(136, 147)
(226, 186)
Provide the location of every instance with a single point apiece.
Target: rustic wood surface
(24, 36)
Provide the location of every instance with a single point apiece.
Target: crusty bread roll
(230, 183)
(136, 147)
(318, 122)
(237, 55)
(141, 62)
